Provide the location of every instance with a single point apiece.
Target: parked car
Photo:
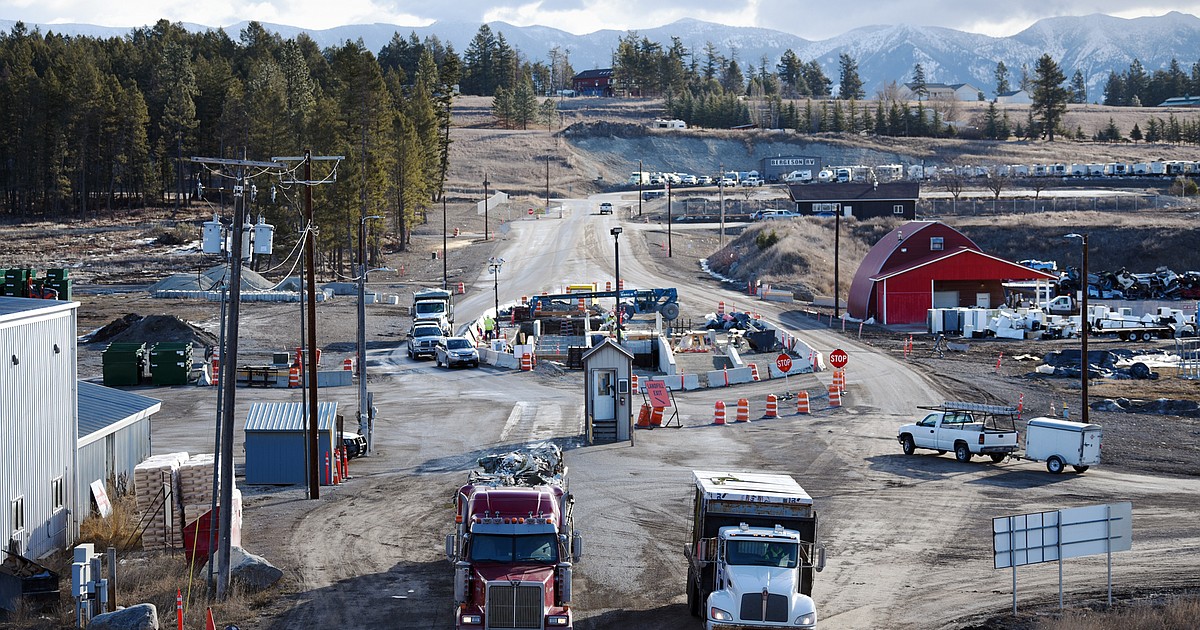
(704, 180)
(774, 214)
(452, 351)
(606, 208)
(423, 339)
(688, 180)
(356, 445)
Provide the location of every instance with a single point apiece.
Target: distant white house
(675, 123)
(943, 91)
(1015, 97)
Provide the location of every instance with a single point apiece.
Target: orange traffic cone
(209, 624)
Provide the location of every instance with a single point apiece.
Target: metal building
(38, 409)
(114, 436)
(276, 447)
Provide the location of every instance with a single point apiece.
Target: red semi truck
(514, 544)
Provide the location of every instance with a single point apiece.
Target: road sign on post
(838, 358)
(784, 363)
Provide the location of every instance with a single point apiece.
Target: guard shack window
(898, 209)
(936, 244)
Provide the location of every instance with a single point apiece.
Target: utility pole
(721, 194)
(224, 470)
(363, 414)
(639, 189)
(310, 281)
(668, 218)
(547, 212)
(445, 246)
(837, 239)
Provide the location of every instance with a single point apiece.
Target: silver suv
(452, 351)
(423, 340)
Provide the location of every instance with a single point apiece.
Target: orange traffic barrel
(294, 376)
(835, 396)
(802, 402)
(743, 410)
(719, 413)
(772, 406)
(754, 372)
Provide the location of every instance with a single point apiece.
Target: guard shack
(608, 401)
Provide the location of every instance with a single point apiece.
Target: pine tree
(1078, 88)
(1001, 75)
(1135, 134)
(1049, 97)
(918, 82)
(851, 87)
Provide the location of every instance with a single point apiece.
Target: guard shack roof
(750, 487)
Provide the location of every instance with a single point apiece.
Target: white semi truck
(753, 552)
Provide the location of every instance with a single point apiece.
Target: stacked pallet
(196, 486)
(155, 487)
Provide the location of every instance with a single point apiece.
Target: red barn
(926, 264)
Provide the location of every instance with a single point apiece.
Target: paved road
(908, 537)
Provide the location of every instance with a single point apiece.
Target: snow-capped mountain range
(1094, 44)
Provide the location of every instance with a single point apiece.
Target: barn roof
(1021, 272)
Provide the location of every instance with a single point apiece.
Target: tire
(962, 452)
(906, 445)
(1054, 464)
(670, 310)
(410, 354)
(1147, 336)
(997, 457)
(1080, 469)
(693, 595)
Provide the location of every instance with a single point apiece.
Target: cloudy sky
(808, 19)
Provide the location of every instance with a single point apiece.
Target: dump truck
(514, 545)
(753, 553)
(436, 305)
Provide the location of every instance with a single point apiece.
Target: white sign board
(1051, 536)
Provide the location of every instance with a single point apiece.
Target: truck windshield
(761, 553)
(431, 308)
(427, 331)
(525, 548)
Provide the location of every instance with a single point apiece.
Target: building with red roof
(925, 264)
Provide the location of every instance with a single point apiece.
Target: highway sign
(784, 363)
(838, 358)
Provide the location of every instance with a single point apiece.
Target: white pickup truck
(967, 429)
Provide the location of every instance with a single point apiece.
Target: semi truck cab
(758, 573)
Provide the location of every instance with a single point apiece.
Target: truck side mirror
(820, 566)
(706, 549)
(450, 547)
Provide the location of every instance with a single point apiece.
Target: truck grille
(752, 607)
(514, 606)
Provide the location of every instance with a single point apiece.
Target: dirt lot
(119, 255)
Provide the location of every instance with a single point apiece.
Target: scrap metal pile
(1115, 364)
(535, 465)
(1163, 284)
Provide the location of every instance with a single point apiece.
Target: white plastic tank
(264, 237)
(211, 236)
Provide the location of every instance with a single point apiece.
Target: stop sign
(838, 358)
(783, 362)
(531, 211)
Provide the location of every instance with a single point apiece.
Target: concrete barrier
(737, 376)
(666, 356)
(676, 382)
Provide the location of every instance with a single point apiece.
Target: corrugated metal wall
(37, 424)
(130, 445)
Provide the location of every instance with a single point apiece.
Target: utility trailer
(1061, 443)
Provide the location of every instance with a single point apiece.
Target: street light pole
(616, 233)
(1083, 327)
(486, 233)
(494, 265)
(361, 357)
(640, 182)
(837, 239)
(668, 218)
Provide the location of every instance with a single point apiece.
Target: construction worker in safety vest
(489, 327)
